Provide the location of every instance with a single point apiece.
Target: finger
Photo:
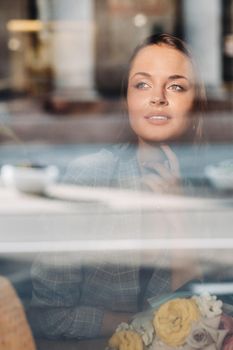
(173, 161)
(161, 170)
(153, 183)
(157, 183)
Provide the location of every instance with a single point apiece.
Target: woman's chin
(166, 137)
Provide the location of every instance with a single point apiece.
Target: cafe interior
(62, 65)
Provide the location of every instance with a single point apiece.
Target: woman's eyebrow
(141, 73)
(177, 76)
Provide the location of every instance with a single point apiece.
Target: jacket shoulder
(92, 170)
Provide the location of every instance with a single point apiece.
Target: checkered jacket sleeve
(57, 285)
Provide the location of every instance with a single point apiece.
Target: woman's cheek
(135, 104)
(188, 102)
(182, 106)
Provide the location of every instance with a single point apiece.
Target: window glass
(116, 174)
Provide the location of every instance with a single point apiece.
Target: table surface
(68, 219)
(67, 199)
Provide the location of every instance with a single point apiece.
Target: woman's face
(161, 92)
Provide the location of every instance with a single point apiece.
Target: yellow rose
(173, 320)
(126, 340)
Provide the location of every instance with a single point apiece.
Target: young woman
(162, 91)
(78, 301)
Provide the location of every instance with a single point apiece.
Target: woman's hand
(163, 175)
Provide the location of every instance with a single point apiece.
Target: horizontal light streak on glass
(116, 245)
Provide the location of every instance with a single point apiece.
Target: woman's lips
(158, 119)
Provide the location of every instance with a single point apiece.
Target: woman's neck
(150, 152)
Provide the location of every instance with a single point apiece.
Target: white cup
(221, 175)
(29, 179)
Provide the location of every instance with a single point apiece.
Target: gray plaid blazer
(71, 298)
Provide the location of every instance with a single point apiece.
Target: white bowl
(221, 175)
(28, 178)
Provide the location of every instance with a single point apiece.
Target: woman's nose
(158, 98)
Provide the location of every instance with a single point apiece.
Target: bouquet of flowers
(191, 323)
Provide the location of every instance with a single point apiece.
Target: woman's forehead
(162, 58)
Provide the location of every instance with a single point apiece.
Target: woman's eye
(141, 85)
(176, 87)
